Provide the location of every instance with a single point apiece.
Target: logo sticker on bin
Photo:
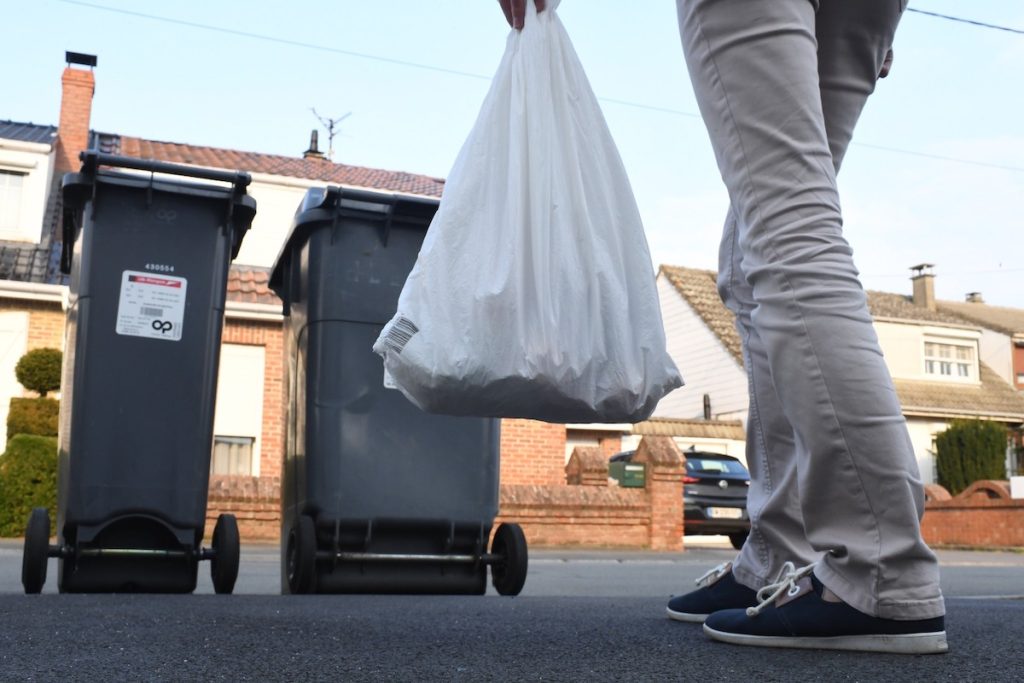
(151, 305)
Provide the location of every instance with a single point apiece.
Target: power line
(274, 39)
(939, 157)
(467, 74)
(965, 21)
(991, 271)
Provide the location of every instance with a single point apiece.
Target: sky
(935, 173)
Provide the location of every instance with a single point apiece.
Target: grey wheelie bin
(377, 496)
(148, 247)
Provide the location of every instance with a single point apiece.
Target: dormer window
(943, 360)
(11, 186)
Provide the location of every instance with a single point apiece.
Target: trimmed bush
(28, 479)
(37, 416)
(39, 370)
(969, 451)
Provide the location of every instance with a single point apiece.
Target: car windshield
(714, 466)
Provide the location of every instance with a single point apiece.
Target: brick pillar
(610, 445)
(532, 453)
(665, 466)
(77, 89)
(587, 466)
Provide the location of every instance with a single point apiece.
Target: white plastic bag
(533, 294)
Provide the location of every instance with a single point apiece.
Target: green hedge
(33, 416)
(970, 451)
(39, 370)
(28, 479)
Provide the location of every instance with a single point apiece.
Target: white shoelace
(785, 583)
(713, 574)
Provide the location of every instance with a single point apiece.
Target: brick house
(935, 355)
(248, 437)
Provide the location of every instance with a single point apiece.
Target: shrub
(28, 479)
(969, 451)
(37, 416)
(39, 370)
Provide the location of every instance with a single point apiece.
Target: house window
(232, 455)
(952, 361)
(238, 420)
(11, 185)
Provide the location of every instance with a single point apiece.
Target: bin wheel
(508, 574)
(301, 555)
(37, 547)
(224, 564)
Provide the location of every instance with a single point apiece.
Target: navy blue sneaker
(718, 590)
(799, 612)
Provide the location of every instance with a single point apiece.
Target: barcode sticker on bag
(402, 330)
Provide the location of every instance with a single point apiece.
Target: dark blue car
(714, 495)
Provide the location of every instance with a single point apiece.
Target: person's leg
(754, 69)
(777, 531)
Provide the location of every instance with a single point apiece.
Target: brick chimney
(314, 151)
(924, 285)
(77, 88)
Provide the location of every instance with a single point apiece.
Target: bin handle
(92, 159)
(67, 240)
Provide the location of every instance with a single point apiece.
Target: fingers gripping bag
(533, 294)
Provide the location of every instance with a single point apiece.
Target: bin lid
(325, 205)
(78, 188)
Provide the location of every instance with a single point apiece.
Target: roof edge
(33, 291)
(912, 411)
(244, 310)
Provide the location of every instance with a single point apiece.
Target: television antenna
(330, 125)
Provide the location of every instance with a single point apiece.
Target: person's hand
(515, 11)
(886, 64)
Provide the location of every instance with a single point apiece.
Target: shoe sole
(910, 644)
(684, 616)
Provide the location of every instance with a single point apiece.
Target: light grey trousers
(780, 85)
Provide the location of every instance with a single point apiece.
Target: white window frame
(932, 365)
(240, 390)
(249, 441)
(11, 193)
(34, 162)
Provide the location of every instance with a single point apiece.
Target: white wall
(240, 396)
(36, 162)
(276, 202)
(736, 449)
(13, 343)
(903, 347)
(707, 367)
(997, 353)
(922, 435)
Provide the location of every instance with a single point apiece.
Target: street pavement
(583, 616)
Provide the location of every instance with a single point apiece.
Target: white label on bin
(151, 305)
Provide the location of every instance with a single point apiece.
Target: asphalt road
(583, 616)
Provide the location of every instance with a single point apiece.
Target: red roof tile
(248, 284)
(272, 164)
